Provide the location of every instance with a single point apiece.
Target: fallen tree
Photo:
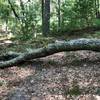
(12, 58)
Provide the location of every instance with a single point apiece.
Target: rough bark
(72, 45)
(46, 17)
(59, 15)
(9, 55)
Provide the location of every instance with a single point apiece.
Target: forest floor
(62, 76)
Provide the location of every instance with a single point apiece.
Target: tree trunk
(45, 17)
(59, 16)
(97, 8)
(11, 59)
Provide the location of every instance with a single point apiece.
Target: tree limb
(72, 45)
(9, 55)
(14, 11)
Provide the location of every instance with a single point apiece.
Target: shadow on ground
(62, 76)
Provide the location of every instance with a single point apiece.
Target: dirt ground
(62, 76)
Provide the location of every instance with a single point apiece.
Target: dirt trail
(62, 76)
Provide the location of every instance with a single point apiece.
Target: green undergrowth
(40, 41)
(22, 46)
(94, 35)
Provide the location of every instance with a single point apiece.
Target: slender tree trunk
(97, 8)
(23, 22)
(6, 28)
(98, 4)
(43, 24)
(45, 17)
(59, 19)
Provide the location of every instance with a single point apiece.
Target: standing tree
(59, 19)
(45, 17)
(97, 8)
